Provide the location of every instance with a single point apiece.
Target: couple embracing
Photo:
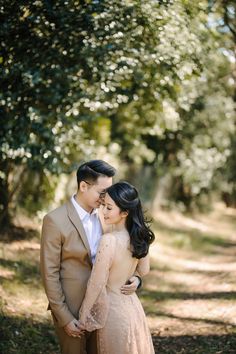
(93, 258)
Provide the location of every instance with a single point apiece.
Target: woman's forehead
(108, 199)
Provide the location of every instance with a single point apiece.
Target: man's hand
(131, 287)
(72, 329)
(81, 327)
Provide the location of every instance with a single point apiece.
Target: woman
(120, 319)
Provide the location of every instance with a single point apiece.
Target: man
(70, 237)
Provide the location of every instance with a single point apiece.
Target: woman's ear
(124, 214)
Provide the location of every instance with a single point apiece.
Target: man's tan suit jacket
(65, 261)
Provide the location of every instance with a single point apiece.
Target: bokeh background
(150, 87)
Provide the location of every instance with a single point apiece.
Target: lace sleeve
(143, 266)
(94, 309)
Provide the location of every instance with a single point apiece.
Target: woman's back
(123, 265)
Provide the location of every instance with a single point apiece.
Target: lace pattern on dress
(95, 307)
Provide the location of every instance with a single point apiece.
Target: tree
(80, 74)
(224, 13)
(65, 65)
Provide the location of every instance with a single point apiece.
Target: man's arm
(50, 260)
(132, 285)
(135, 282)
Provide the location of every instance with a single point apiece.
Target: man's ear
(83, 186)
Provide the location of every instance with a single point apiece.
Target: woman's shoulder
(108, 235)
(108, 240)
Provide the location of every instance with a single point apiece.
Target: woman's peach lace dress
(120, 319)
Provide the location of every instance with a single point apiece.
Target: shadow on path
(168, 295)
(192, 319)
(197, 344)
(18, 233)
(23, 272)
(195, 239)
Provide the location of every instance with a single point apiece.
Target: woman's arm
(94, 308)
(143, 266)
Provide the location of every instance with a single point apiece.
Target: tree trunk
(5, 218)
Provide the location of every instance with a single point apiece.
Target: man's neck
(81, 203)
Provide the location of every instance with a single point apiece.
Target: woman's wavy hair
(127, 199)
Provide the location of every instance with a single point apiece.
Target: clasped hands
(75, 328)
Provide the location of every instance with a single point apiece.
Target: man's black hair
(91, 170)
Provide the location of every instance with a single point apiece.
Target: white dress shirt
(92, 226)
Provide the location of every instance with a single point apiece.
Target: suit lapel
(75, 219)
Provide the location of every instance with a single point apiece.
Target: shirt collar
(83, 214)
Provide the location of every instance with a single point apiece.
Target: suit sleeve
(50, 260)
(94, 309)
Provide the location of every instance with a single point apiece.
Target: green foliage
(37, 191)
(89, 59)
(150, 79)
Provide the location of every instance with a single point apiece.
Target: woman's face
(112, 213)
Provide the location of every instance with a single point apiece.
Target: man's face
(94, 192)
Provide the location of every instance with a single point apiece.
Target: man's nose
(102, 201)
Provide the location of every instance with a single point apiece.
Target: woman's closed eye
(105, 206)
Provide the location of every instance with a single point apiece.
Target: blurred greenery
(148, 85)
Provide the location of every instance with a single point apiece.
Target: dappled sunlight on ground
(189, 295)
(219, 221)
(191, 288)
(20, 281)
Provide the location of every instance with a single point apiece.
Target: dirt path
(190, 294)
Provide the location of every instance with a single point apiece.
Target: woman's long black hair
(126, 198)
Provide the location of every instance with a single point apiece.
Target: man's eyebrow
(109, 204)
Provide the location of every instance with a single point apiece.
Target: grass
(25, 325)
(26, 335)
(189, 296)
